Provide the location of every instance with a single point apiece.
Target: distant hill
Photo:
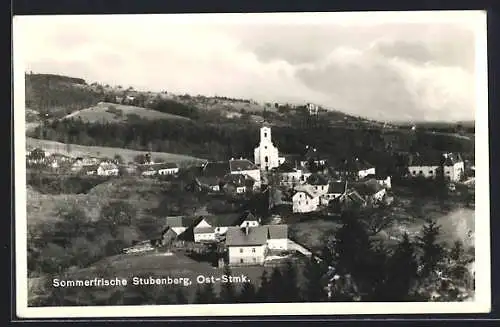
(112, 113)
(57, 95)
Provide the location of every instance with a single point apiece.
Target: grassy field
(101, 151)
(103, 113)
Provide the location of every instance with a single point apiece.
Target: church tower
(266, 154)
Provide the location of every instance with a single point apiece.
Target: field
(101, 151)
(113, 113)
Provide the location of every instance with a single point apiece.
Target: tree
(247, 294)
(264, 288)
(205, 294)
(118, 213)
(290, 290)
(227, 292)
(432, 251)
(402, 272)
(314, 288)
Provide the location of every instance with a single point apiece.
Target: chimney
(246, 229)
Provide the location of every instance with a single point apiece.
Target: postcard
(251, 164)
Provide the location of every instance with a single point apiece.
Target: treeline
(219, 142)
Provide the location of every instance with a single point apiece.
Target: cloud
(386, 71)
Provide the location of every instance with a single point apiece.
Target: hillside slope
(76, 150)
(112, 113)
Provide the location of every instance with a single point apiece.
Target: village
(306, 184)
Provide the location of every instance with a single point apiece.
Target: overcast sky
(371, 65)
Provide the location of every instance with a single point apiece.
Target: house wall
(379, 195)
(278, 244)
(200, 237)
(326, 198)
(168, 171)
(240, 189)
(425, 171)
(221, 230)
(291, 179)
(246, 254)
(385, 182)
(320, 189)
(303, 203)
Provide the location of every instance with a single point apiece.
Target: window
(266, 159)
(414, 172)
(307, 202)
(241, 260)
(448, 172)
(316, 188)
(430, 172)
(254, 259)
(265, 147)
(265, 134)
(241, 250)
(420, 172)
(253, 250)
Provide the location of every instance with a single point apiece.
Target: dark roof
(237, 236)
(378, 176)
(355, 196)
(316, 179)
(237, 179)
(435, 159)
(179, 221)
(310, 153)
(89, 168)
(216, 169)
(277, 231)
(285, 168)
(165, 165)
(209, 180)
(368, 187)
(256, 235)
(336, 187)
(224, 220)
(241, 164)
(291, 158)
(247, 216)
(145, 167)
(353, 165)
(204, 230)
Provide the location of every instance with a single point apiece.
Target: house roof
(165, 165)
(277, 231)
(236, 236)
(435, 159)
(209, 180)
(241, 164)
(355, 196)
(216, 169)
(336, 187)
(286, 167)
(368, 187)
(247, 216)
(316, 179)
(204, 230)
(224, 220)
(354, 165)
(179, 221)
(237, 179)
(378, 176)
(89, 168)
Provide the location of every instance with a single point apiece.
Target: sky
(385, 66)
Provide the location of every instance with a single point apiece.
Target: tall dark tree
(263, 294)
(290, 283)
(227, 291)
(248, 294)
(401, 272)
(432, 251)
(205, 294)
(315, 282)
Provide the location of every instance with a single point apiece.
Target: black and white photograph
(253, 164)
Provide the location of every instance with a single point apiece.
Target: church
(266, 154)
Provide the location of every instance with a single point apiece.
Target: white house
(312, 109)
(245, 167)
(249, 245)
(211, 227)
(382, 179)
(429, 166)
(318, 183)
(167, 168)
(179, 224)
(277, 238)
(248, 219)
(305, 199)
(266, 154)
(107, 169)
(335, 190)
(289, 176)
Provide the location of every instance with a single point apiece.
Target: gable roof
(435, 159)
(247, 216)
(317, 179)
(165, 165)
(179, 221)
(216, 169)
(336, 187)
(277, 231)
(224, 220)
(286, 167)
(353, 165)
(241, 164)
(236, 236)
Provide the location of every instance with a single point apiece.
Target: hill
(76, 150)
(58, 95)
(112, 113)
